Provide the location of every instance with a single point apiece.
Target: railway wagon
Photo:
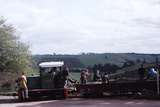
(132, 87)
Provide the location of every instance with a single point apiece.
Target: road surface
(79, 102)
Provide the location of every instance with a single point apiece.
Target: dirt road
(79, 102)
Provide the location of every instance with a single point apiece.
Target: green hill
(89, 59)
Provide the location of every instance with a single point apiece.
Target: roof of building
(51, 64)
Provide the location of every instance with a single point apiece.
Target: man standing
(151, 73)
(23, 87)
(141, 72)
(84, 76)
(105, 78)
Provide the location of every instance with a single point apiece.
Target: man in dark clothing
(105, 78)
(141, 72)
(61, 77)
(65, 72)
(83, 77)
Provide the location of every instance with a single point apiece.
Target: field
(76, 76)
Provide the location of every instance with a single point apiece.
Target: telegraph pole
(157, 75)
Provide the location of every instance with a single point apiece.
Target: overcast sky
(75, 26)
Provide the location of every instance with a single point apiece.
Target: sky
(76, 26)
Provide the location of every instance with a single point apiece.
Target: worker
(84, 76)
(65, 72)
(141, 72)
(151, 73)
(98, 76)
(105, 78)
(65, 76)
(23, 89)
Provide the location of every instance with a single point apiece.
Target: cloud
(71, 26)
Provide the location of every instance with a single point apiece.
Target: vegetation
(118, 65)
(70, 60)
(121, 60)
(108, 68)
(14, 56)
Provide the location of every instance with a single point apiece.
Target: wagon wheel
(147, 92)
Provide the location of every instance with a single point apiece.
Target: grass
(76, 76)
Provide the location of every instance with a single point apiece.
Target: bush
(6, 86)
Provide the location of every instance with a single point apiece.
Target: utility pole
(157, 75)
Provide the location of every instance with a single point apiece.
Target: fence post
(157, 64)
(157, 82)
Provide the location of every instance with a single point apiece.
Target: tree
(138, 61)
(128, 63)
(14, 55)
